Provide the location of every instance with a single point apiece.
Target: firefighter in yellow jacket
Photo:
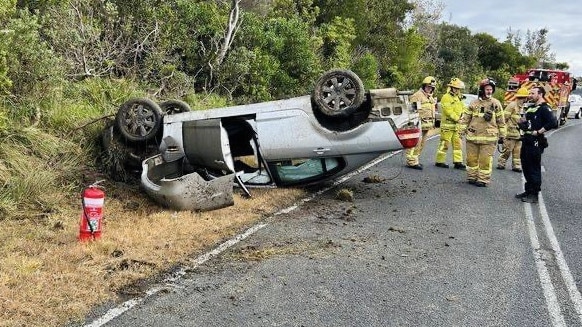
(424, 96)
(512, 144)
(483, 125)
(452, 109)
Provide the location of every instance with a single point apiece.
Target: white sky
(562, 18)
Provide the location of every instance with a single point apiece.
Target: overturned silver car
(297, 141)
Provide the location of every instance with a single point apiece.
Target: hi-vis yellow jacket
(512, 115)
(453, 108)
(476, 129)
(426, 110)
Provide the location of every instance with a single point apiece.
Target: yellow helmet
(456, 83)
(522, 93)
(429, 80)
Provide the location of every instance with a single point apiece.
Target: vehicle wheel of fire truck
(171, 107)
(138, 119)
(338, 93)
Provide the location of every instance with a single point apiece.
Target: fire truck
(557, 83)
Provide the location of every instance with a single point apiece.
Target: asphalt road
(420, 248)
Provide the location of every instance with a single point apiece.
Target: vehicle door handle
(321, 150)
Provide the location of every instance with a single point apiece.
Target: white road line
(549, 292)
(119, 310)
(125, 306)
(575, 296)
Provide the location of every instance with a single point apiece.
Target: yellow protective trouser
(479, 161)
(412, 154)
(511, 147)
(450, 138)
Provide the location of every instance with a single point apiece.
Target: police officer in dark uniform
(537, 120)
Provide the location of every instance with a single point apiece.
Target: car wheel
(577, 116)
(139, 119)
(338, 93)
(171, 107)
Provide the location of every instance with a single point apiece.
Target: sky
(562, 18)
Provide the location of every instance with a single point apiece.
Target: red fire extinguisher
(91, 223)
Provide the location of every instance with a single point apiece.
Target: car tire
(171, 107)
(138, 120)
(577, 115)
(338, 93)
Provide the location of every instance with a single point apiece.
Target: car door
(289, 134)
(206, 144)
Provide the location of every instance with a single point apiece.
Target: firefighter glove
(488, 115)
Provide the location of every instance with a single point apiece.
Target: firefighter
(483, 126)
(452, 109)
(424, 96)
(512, 145)
(538, 119)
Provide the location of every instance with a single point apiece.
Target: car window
(304, 170)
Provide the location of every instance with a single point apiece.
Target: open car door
(173, 185)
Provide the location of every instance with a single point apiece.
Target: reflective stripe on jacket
(476, 128)
(426, 110)
(512, 116)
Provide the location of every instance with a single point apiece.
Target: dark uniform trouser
(531, 163)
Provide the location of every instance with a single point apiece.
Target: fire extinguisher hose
(87, 218)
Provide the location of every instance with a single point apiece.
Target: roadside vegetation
(67, 65)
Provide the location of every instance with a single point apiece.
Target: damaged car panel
(166, 183)
(277, 143)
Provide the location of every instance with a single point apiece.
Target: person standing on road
(538, 120)
(512, 145)
(452, 109)
(483, 125)
(424, 96)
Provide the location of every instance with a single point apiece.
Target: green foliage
(206, 101)
(273, 58)
(6, 8)
(302, 9)
(379, 28)
(31, 68)
(366, 67)
(32, 165)
(195, 35)
(337, 38)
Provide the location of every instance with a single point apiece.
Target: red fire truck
(557, 83)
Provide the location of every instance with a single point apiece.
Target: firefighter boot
(459, 165)
(521, 195)
(530, 198)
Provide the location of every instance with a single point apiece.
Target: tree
(425, 18)
(380, 29)
(536, 45)
(457, 55)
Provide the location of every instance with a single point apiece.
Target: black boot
(521, 195)
(459, 165)
(530, 198)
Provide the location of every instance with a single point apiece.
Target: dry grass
(48, 278)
